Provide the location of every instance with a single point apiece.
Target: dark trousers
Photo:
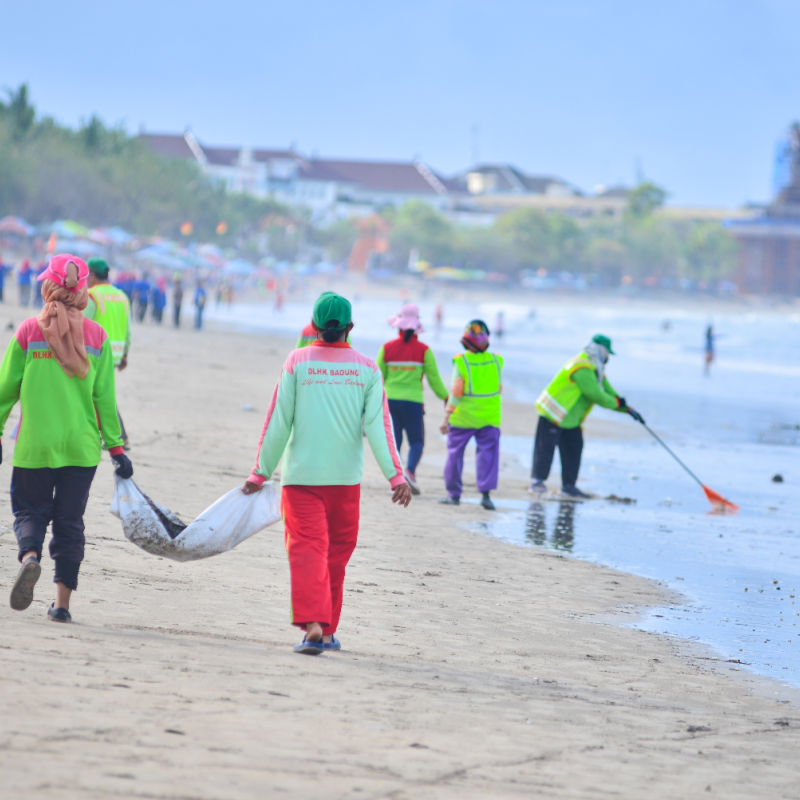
(407, 416)
(39, 496)
(570, 447)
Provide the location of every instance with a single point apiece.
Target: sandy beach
(470, 668)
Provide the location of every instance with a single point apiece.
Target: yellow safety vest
(481, 403)
(113, 315)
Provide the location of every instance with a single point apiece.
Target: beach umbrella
(238, 266)
(15, 226)
(718, 502)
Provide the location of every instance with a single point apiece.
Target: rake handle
(663, 444)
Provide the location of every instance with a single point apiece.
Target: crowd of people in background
(148, 292)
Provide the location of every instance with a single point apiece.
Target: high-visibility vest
(113, 315)
(563, 394)
(480, 404)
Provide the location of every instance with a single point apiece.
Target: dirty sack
(225, 523)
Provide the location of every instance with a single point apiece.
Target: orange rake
(717, 500)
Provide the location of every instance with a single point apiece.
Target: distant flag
(222, 228)
(186, 228)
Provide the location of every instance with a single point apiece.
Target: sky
(692, 94)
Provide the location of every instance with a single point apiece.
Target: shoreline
(471, 667)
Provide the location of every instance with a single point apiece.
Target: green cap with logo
(332, 311)
(604, 341)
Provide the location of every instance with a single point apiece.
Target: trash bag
(224, 524)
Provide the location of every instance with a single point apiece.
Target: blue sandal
(308, 648)
(333, 644)
(22, 590)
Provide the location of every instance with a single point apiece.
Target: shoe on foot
(22, 590)
(538, 487)
(58, 614)
(411, 480)
(450, 501)
(486, 502)
(333, 644)
(308, 648)
(574, 491)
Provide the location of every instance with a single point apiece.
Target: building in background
(769, 244)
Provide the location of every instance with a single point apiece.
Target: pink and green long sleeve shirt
(315, 417)
(60, 415)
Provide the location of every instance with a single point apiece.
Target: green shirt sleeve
(378, 428)
(105, 398)
(11, 372)
(432, 373)
(91, 308)
(278, 426)
(586, 381)
(381, 362)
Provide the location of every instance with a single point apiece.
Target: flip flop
(22, 590)
(309, 648)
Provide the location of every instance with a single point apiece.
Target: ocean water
(738, 574)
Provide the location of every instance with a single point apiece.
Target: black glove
(636, 415)
(621, 404)
(123, 465)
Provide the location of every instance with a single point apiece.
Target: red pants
(321, 529)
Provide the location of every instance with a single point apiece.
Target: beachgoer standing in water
(708, 350)
(60, 368)
(325, 392)
(403, 362)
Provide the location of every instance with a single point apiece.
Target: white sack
(223, 525)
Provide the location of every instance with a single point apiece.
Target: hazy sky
(693, 94)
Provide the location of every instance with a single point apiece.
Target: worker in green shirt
(110, 308)
(564, 405)
(58, 366)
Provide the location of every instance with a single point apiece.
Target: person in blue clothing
(24, 283)
(200, 297)
(158, 302)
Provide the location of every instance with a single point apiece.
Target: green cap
(332, 311)
(99, 266)
(604, 341)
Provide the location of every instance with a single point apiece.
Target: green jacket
(475, 396)
(403, 365)
(572, 393)
(59, 419)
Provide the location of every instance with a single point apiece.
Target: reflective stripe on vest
(468, 385)
(561, 394)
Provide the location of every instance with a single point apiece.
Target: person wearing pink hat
(60, 369)
(403, 362)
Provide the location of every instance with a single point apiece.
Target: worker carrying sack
(223, 525)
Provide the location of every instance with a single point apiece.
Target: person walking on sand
(177, 301)
(110, 308)
(474, 408)
(564, 405)
(325, 392)
(403, 362)
(59, 366)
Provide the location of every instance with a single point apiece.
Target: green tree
(644, 199)
(711, 252)
(418, 226)
(19, 111)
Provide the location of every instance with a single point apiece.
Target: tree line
(101, 176)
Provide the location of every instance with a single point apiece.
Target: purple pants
(487, 458)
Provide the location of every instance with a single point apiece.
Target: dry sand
(471, 668)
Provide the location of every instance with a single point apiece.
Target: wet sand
(471, 668)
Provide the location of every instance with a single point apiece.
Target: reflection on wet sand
(563, 536)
